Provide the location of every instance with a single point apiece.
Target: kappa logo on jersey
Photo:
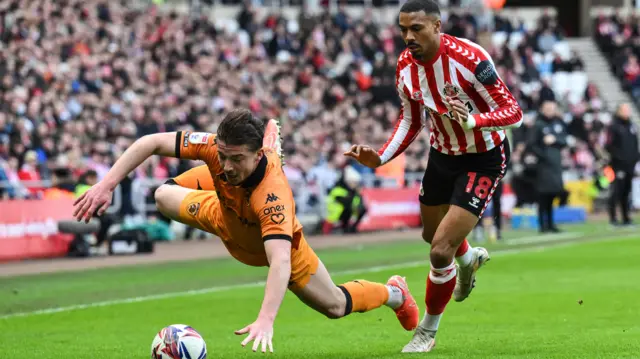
(198, 138)
(417, 95)
(271, 198)
(485, 73)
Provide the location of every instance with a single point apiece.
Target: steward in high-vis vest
(345, 208)
(85, 182)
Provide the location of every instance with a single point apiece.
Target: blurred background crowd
(81, 80)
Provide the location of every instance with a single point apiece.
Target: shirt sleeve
(410, 123)
(195, 145)
(273, 203)
(493, 90)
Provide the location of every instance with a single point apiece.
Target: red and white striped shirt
(460, 69)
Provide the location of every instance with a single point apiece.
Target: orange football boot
(408, 313)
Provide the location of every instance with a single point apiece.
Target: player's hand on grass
(261, 332)
(460, 112)
(97, 198)
(365, 155)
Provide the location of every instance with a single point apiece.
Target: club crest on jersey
(450, 90)
(417, 95)
(193, 208)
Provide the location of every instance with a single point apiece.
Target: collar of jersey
(434, 58)
(257, 175)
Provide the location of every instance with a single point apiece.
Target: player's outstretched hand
(97, 198)
(365, 155)
(261, 332)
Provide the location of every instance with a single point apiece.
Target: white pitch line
(374, 269)
(545, 238)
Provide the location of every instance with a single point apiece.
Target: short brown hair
(239, 127)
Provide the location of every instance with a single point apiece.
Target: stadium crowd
(618, 37)
(80, 81)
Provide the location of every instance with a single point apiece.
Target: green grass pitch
(576, 300)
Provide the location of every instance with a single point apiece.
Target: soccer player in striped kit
(453, 83)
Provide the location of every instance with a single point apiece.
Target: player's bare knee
(161, 196)
(442, 253)
(334, 312)
(337, 308)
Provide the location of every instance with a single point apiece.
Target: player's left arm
(273, 203)
(493, 90)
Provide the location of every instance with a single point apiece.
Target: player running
(242, 196)
(455, 82)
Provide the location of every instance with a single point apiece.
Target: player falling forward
(242, 196)
(470, 107)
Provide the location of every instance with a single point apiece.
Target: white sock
(395, 297)
(465, 259)
(430, 322)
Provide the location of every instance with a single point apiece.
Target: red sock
(440, 285)
(464, 247)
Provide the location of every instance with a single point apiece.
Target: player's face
(420, 32)
(238, 162)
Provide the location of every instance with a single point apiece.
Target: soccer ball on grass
(178, 341)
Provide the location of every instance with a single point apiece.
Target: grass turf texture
(525, 305)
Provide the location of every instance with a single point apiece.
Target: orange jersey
(260, 209)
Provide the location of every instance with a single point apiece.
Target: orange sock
(363, 296)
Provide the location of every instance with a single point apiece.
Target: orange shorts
(201, 209)
(304, 264)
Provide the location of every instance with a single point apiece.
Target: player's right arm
(162, 144)
(185, 145)
(408, 127)
(169, 144)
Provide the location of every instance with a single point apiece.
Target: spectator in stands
(547, 139)
(85, 182)
(632, 75)
(618, 39)
(622, 145)
(29, 173)
(62, 185)
(572, 64)
(6, 189)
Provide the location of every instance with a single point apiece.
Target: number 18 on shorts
(466, 181)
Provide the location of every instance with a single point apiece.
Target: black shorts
(467, 180)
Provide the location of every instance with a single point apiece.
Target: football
(178, 341)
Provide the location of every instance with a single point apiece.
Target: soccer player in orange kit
(242, 196)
